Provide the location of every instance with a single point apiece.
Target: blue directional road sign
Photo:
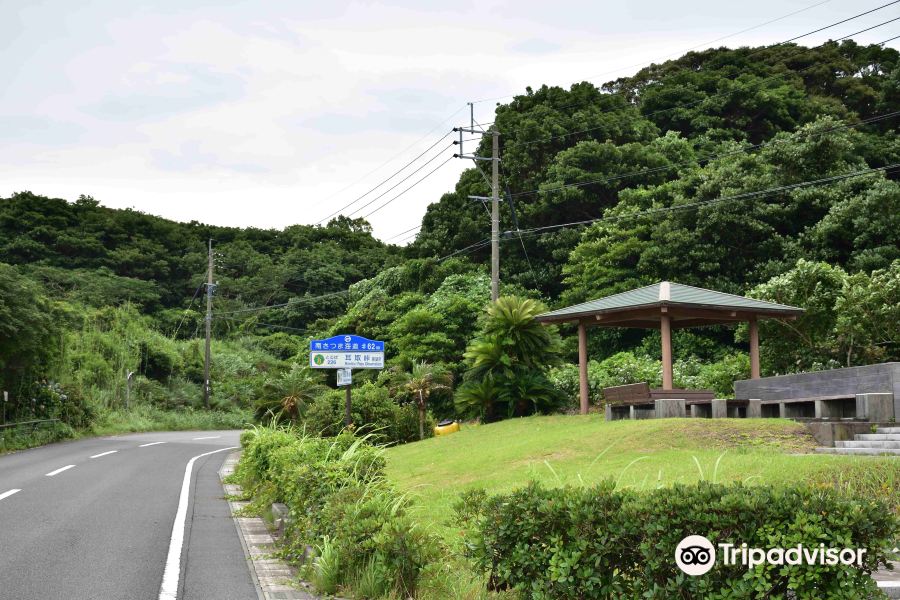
(346, 352)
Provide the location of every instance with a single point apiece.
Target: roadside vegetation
(700, 170)
(527, 508)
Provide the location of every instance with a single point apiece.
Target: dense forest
(771, 172)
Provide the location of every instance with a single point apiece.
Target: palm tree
(421, 381)
(508, 360)
(287, 397)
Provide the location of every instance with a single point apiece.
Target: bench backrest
(689, 395)
(627, 393)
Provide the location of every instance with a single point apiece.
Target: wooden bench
(640, 393)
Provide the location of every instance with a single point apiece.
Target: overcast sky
(272, 113)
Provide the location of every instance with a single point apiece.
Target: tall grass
(149, 418)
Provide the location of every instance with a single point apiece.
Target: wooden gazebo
(666, 306)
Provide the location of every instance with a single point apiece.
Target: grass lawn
(577, 450)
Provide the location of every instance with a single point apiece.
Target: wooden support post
(582, 367)
(754, 349)
(665, 329)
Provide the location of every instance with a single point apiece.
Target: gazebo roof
(687, 305)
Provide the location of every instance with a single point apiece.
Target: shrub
(373, 411)
(599, 543)
(341, 504)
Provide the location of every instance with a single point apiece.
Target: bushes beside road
(599, 542)
(342, 507)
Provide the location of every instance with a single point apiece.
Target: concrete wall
(871, 379)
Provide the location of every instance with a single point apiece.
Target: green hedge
(341, 505)
(601, 543)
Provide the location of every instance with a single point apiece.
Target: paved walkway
(275, 579)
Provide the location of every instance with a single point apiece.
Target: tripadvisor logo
(696, 555)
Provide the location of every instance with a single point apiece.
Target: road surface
(117, 518)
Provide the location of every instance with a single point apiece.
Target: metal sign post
(345, 353)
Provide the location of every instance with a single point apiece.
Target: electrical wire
(390, 160)
(668, 56)
(190, 304)
(784, 188)
(429, 174)
(293, 302)
(270, 325)
(399, 183)
(403, 168)
(403, 232)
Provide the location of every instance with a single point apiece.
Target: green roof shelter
(666, 306)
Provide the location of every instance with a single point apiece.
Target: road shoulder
(274, 578)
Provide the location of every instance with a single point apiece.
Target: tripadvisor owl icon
(695, 555)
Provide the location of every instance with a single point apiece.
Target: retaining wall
(870, 379)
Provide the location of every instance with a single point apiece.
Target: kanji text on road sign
(346, 352)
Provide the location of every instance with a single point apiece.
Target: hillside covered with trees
(771, 172)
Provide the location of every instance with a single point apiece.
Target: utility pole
(495, 191)
(495, 214)
(209, 293)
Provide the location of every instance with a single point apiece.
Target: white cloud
(258, 114)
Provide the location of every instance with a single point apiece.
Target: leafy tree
(29, 331)
(849, 319)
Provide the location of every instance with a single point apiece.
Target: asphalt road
(103, 528)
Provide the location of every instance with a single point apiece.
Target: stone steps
(884, 442)
(866, 444)
(878, 437)
(861, 451)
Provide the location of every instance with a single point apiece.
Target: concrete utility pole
(495, 214)
(209, 293)
(495, 191)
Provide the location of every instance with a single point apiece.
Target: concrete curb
(274, 579)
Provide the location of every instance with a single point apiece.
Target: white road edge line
(104, 453)
(209, 437)
(172, 573)
(150, 444)
(9, 493)
(58, 471)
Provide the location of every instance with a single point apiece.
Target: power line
(292, 302)
(394, 157)
(190, 304)
(640, 64)
(536, 231)
(793, 39)
(270, 325)
(403, 232)
(429, 174)
(400, 170)
(396, 185)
